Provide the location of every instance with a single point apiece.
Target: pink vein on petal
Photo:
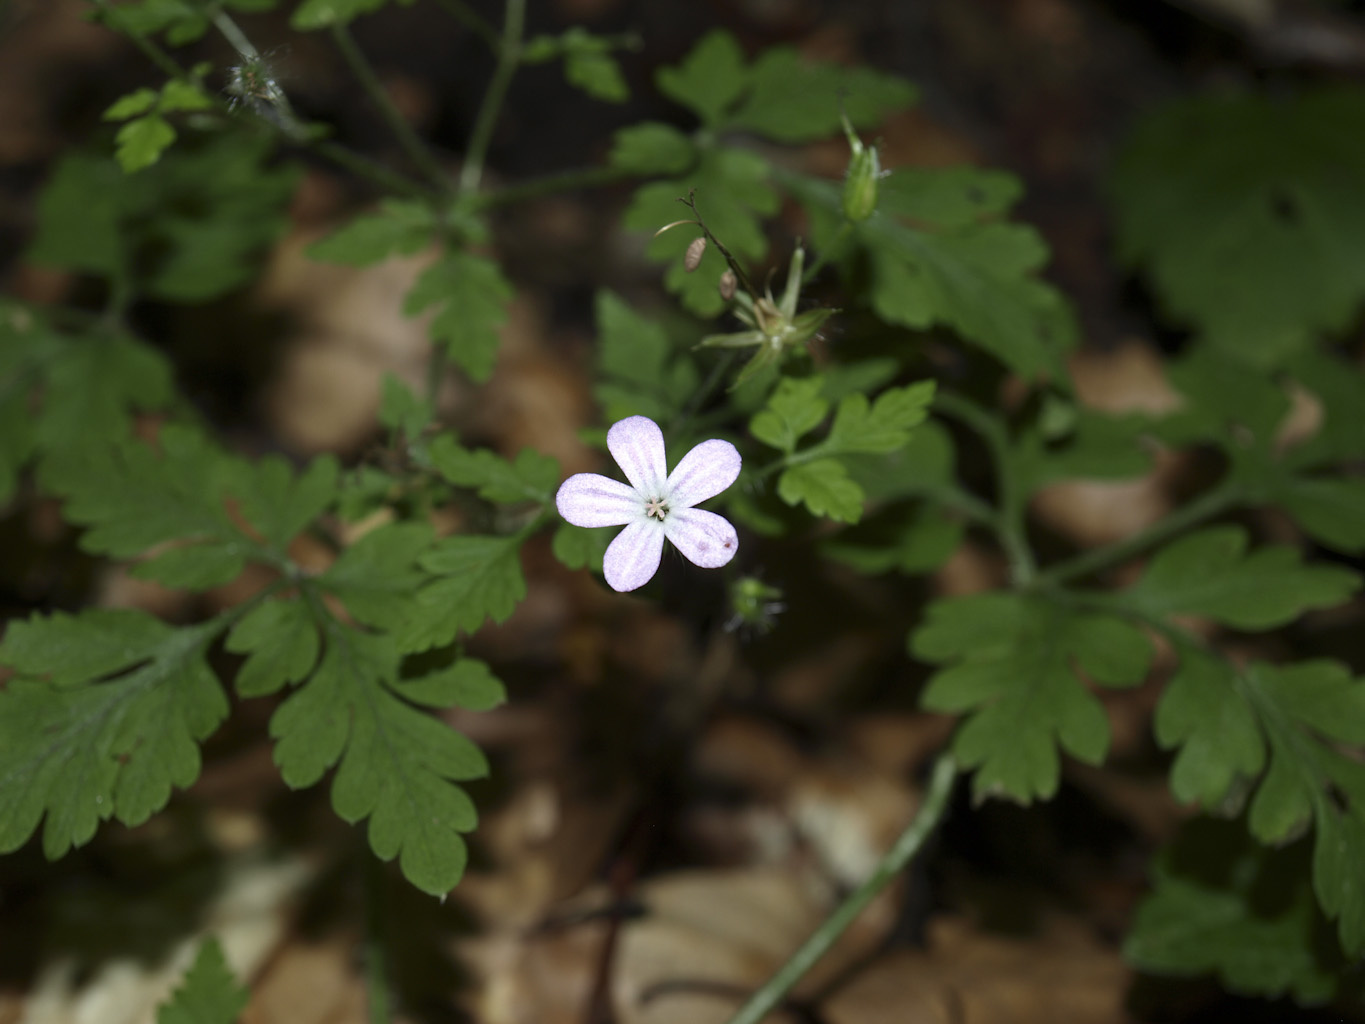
(633, 557)
(590, 499)
(703, 473)
(706, 539)
(637, 445)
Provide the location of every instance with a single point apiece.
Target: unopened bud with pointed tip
(860, 181)
(728, 284)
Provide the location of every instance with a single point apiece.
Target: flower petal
(637, 445)
(590, 499)
(708, 540)
(632, 558)
(703, 473)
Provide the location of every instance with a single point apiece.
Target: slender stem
(1009, 520)
(470, 19)
(551, 184)
(701, 394)
(408, 139)
(1211, 503)
(823, 256)
(509, 56)
(226, 27)
(376, 953)
(927, 819)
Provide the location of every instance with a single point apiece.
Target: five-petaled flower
(656, 504)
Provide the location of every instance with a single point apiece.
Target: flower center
(656, 507)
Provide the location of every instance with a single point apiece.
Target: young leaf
(651, 148)
(141, 142)
(589, 65)
(397, 765)
(1204, 714)
(913, 542)
(1243, 213)
(470, 295)
(317, 14)
(792, 99)
(400, 227)
(402, 411)
(377, 578)
(1210, 573)
(280, 638)
(1219, 904)
(113, 726)
(794, 409)
(208, 994)
(468, 683)
(1014, 660)
(824, 487)
(642, 373)
(977, 276)
(709, 79)
(476, 578)
(531, 477)
(879, 427)
(579, 548)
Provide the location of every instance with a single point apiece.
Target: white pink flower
(655, 504)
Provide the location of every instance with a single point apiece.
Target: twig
(927, 819)
(509, 56)
(412, 145)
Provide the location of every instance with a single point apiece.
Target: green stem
(551, 184)
(1009, 519)
(470, 19)
(1208, 505)
(820, 260)
(376, 954)
(927, 819)
(408, 139)
(509, 56)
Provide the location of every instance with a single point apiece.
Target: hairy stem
(470, 19)
(412, 145)
(1009, 518)
(509, 56)
(1211, 503)
(908, 844)
(376, 954)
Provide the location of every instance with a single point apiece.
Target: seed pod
(692, 259)
(728, 284)
(860, 184)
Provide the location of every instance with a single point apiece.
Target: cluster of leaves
(107, 708)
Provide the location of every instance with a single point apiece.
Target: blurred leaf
(950, 260)
(208, 993)
(316, 14)
(651, 148)
(399, 227)
(1013, 669)
(794, 409)
(1222, 905)
(580, 548)
(402, 411)
(377, 577)
(792, 99)
(709, 79)
(824, 488)
(532, 477)
(1245, 214)
(1210, 573)
(280, 639)
(909, 541)
(881, 426)
(471, 296)
(641, 373)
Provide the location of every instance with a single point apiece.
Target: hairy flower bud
(860, 181)
(728, 284)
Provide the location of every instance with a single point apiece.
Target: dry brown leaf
(967, 976)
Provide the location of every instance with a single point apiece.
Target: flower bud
(692, 258)
(754, 606)
(728, 284)
(860, 181)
